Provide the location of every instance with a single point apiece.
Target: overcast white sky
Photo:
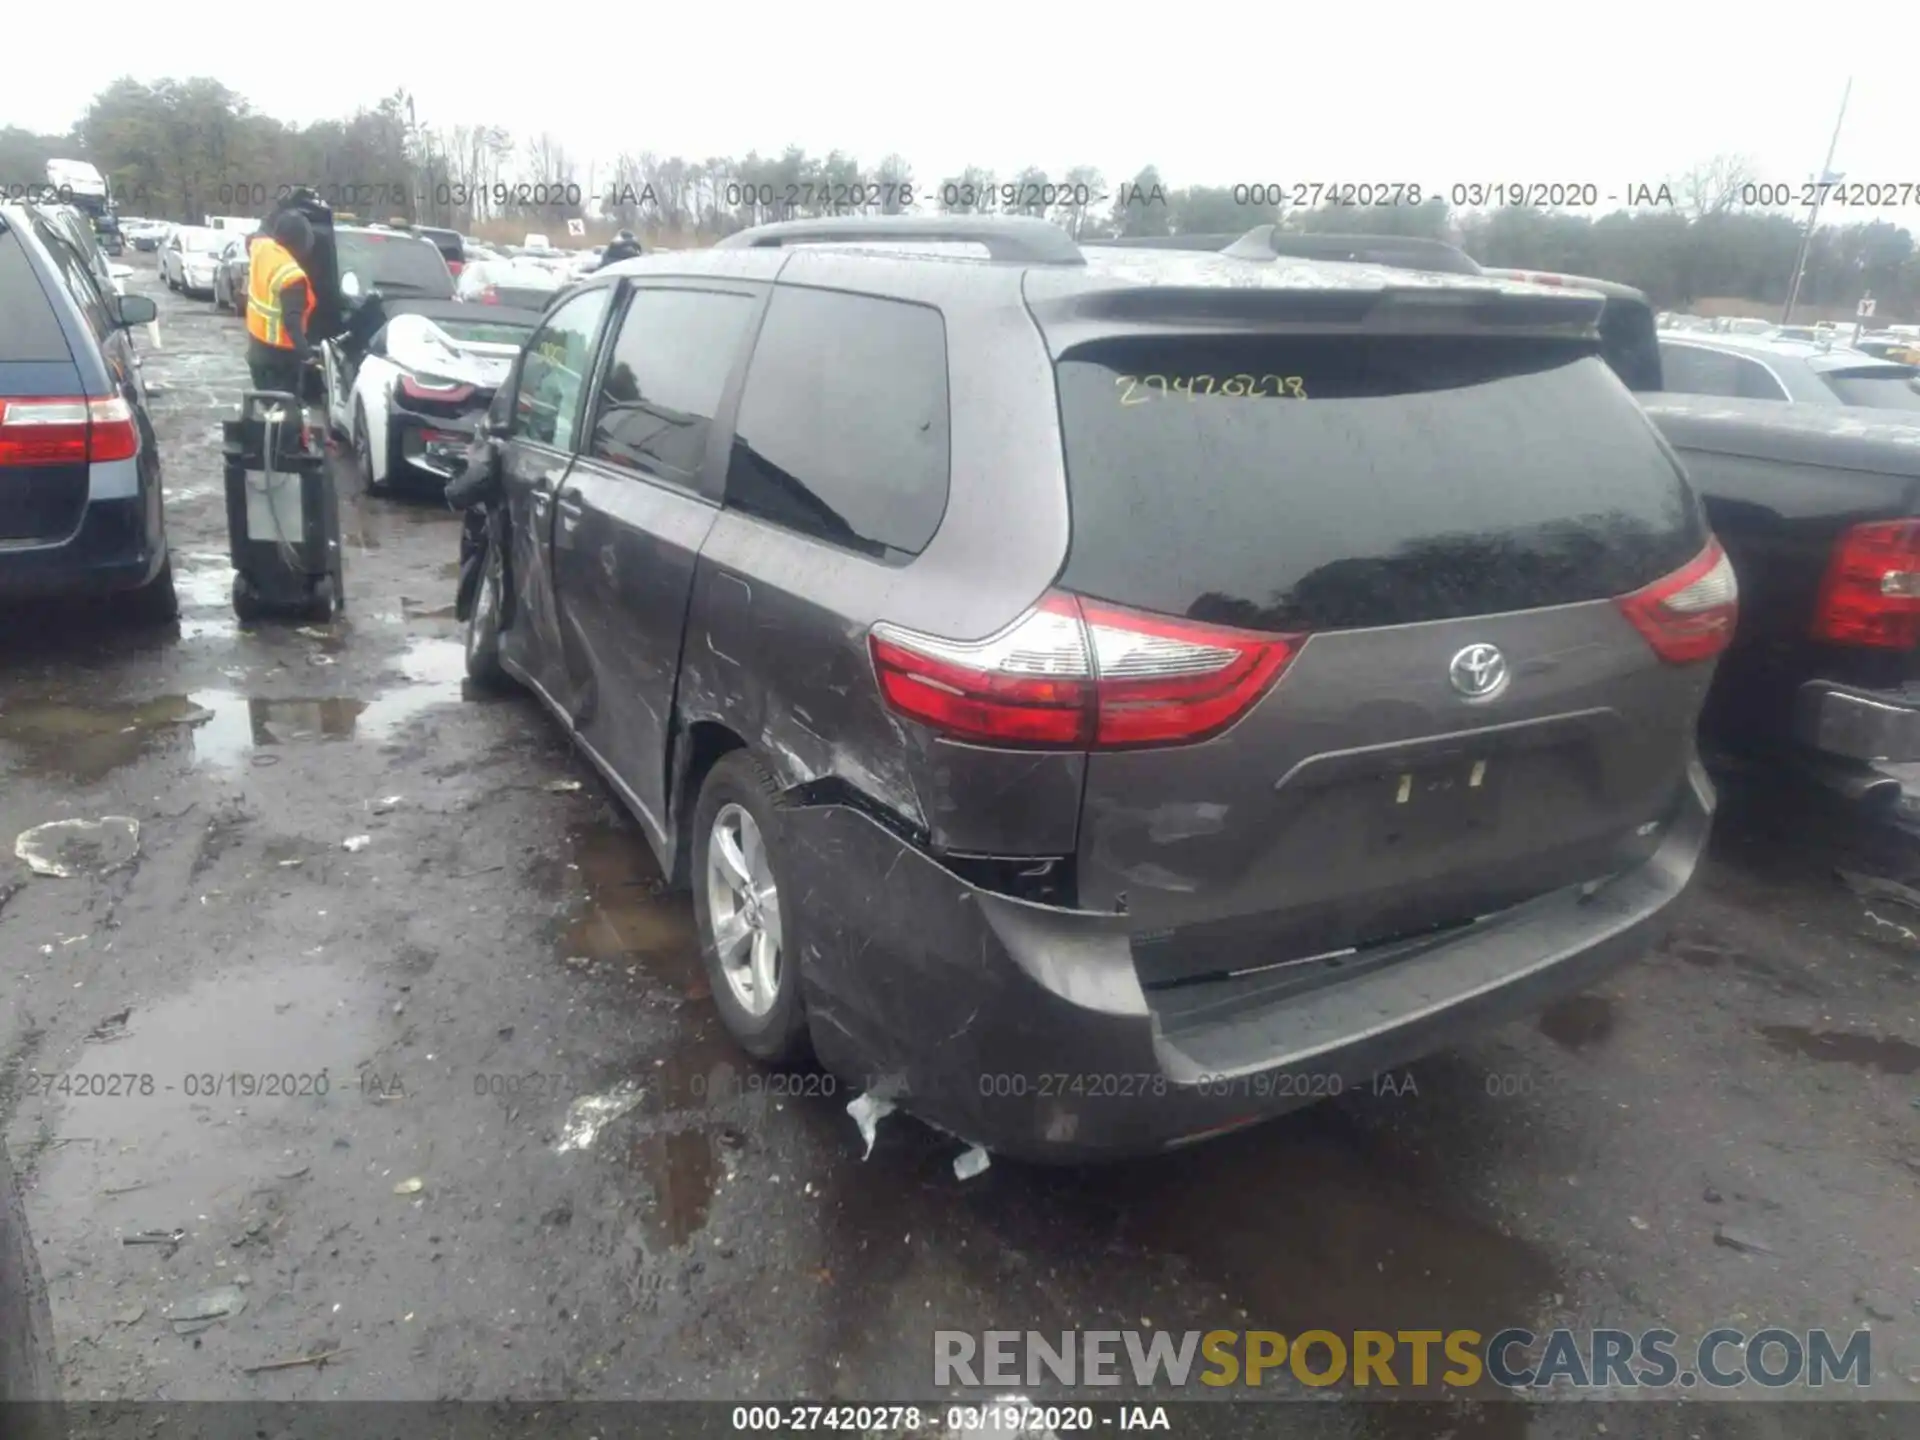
(1212, 94)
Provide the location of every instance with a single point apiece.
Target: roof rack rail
(1407, 252)
(1021, 238)
(1211, 243)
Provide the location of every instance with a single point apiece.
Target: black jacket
(620, 250)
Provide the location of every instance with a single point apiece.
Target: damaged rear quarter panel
(776, 647)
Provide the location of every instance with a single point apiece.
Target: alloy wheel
(744, 904)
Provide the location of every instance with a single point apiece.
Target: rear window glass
(29, 330)
(398, 264)
(480, 332)
(1879, 389)
(1340, 482)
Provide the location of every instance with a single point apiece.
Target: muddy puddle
(86, 742)
(623, 925)
(197, 1105)
(1884, 1053)
(1578, 1022)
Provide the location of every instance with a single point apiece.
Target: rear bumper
(437, 444)
(1856, 723)
(1023, 1027)
(112, 549)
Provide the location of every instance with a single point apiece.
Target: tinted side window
(1755, 382)
(553, 371)
(1694, 370)
(843, 426)
(670, 363)
(29, 330)
(75, 275)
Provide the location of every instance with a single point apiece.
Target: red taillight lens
(1690, 614)
(1871, 593)
(426, 390)
(454, 267)
(66, 430)
(489, 295)
(1080, 674)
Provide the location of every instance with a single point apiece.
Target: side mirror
(130, 310)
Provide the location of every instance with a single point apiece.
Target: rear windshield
(1880, 389)
(396, 264)
(482, 332)
(1339, 482)
(29, 330)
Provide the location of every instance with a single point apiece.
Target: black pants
(273, 369)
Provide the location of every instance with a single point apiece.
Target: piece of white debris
(356, 842)
(65, 848)
(384, 804)
(588, 1115)
(868, 1111)
(561, 787)
(969, 1163)
(410, 1187)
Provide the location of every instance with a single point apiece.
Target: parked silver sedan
(189, 258)
(1763, 368)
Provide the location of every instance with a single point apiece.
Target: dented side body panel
(776, 645)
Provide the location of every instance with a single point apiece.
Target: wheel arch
(699, 748)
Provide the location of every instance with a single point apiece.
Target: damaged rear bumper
(1024, 1027)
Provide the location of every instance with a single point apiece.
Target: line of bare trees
(185, 149)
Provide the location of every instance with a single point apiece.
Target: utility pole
(1827, 177)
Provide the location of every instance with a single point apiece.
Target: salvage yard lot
(501, 947)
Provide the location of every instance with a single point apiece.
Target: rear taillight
(489, 295)
(444, 393)
(1871, 593)
(1690, 614)
(454, 267)
(66, 430)
(1080, 674)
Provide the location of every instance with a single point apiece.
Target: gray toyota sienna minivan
(1102, 698)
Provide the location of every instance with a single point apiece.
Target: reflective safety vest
(271, 265)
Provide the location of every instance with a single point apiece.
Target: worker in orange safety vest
(280, 304)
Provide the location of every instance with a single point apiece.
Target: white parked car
(189, 256)
(518, 284)
(415, 369)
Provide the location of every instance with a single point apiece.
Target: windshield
(394, 264)
(1881, 388)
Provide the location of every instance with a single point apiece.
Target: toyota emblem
(1478, 672)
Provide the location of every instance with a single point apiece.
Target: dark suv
(1101, 698)
(80, 492)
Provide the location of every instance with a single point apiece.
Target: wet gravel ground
(501, 946)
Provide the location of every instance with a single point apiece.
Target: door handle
(570, 509)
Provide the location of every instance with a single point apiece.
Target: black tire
(325, 601)
(28, 1367)
(156, 602)
(247, 605)
(778, 1036)
(483, 625)
(363, 453)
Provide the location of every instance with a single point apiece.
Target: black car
(80, 485)
(1818, 505)
(1103, 698)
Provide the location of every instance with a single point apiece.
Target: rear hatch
(1413, 534)
(43, 474)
